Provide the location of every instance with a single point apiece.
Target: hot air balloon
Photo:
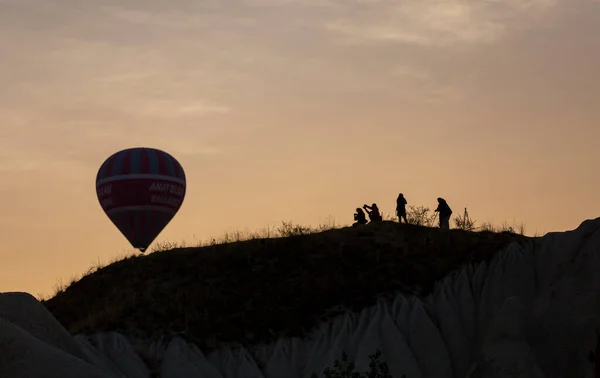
(140, 189)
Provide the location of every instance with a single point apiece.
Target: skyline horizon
(267, 231)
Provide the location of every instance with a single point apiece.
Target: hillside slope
(259, 290)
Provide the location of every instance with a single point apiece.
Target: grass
(248, 288)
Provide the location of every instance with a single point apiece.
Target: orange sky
(292, 110)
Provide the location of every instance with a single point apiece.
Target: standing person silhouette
(401, 208)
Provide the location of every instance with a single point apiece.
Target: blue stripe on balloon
(136, 161)
(182, 172)
(153, 161)
(103, 168)
(170, 165)
(116, 169)
(99, 175)
(176, 166)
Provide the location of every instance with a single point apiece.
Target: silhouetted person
(445, 213)
(401, 208)
(359, 217)
(373, 212)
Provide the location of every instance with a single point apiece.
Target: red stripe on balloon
(126, 162)
(142, 192)
(144, 161)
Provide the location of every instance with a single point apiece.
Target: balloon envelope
(140, 189)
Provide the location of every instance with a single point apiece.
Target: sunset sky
(293, 110)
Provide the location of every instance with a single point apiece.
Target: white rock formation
(531, 312)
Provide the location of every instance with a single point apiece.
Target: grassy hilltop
(258, 290)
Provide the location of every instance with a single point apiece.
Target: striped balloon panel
(152, 190)
(141, 225)
(140, 161)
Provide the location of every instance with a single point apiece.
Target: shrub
(487, 226)
(464, 222)
(420, 216)
(345, 369)
(289, 229)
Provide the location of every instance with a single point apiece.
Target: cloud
(410, 72)
(435, 22)
(427, 85)
(186, 146)
(352, 32)
(295, 3)
(175, 108)
(184, 20)
(8, 165)
(16, 157)
(113, 66)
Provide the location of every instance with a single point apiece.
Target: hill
(256, 291)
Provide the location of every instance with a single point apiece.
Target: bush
(464, 222)
(420, 216)
(288, 229)
(345, 369)
(487, 226)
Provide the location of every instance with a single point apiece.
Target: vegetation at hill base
(345, 369)
(256, 290)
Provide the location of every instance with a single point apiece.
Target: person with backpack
(445, 212)
(373, 211)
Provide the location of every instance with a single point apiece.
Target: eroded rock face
(505, 351)
(531, 312)
(24, 356)
(24, 311)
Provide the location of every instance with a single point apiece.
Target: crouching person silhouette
(359, 217)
